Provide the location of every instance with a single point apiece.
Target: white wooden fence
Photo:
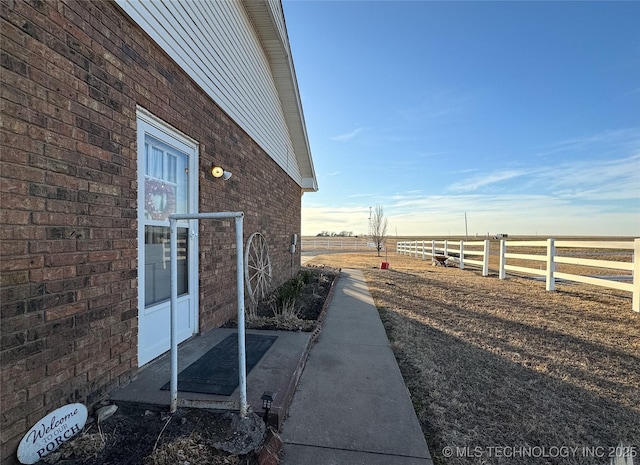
(336, 244)
(552, 252)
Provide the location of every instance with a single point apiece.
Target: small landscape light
(267, 400)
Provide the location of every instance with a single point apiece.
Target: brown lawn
(503, 372)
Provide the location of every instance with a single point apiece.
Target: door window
(165, 192)
(157, 270)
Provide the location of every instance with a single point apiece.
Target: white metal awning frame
(242, 364)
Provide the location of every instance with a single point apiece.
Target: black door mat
(216, 372)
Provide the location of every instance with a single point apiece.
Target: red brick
(52, 218)
(63, 180)
(22, 173)
(17, 428)
(22, 263)
(18, 144)
(22, 202)
(9, 247)
(65, 311)
(21, 323)
(13, 278)
(14, 217)
(52, 274)
(104, 256)
(14, 186)
(66, 259)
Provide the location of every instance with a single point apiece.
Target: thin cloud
(610, 142)
(603, 179)
(348, 135)
(475, 183)
(437, 105)
(594, 180)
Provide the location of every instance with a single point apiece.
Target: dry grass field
(503, 372)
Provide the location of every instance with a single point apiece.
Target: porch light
(220, 172)
(267, 400)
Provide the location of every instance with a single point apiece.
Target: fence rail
(333, 244)
(548, 255)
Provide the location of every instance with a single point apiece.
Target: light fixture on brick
(220, 172)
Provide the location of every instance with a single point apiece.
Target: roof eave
(275, 42)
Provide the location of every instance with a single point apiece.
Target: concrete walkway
(351, 406)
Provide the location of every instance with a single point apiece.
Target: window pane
(166, 180)
(171, 168)
(157, 274)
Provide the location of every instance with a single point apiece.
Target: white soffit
(268, 19)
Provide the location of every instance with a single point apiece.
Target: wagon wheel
(257, 267)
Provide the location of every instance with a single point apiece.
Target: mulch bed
(135, 436)
(307, 309)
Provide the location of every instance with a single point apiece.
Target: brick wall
(72, 75)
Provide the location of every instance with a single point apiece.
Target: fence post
(485, 258)
(433, 251)
(446, 246)
(551, 253)
(462, 255)
(635, 302)
(423, 250)
(503, 259)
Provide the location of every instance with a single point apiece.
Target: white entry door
(167, 183)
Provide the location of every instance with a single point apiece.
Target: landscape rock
(106, 412)
(247, 434)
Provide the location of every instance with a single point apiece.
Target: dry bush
(85, 446)
(190, 450)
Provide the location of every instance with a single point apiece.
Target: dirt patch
(505, 367)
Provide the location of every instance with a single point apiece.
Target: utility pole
(466, 230)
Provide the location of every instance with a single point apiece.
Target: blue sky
(524, 115)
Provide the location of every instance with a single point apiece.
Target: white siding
(216, 44)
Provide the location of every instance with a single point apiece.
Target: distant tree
(378, 228)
